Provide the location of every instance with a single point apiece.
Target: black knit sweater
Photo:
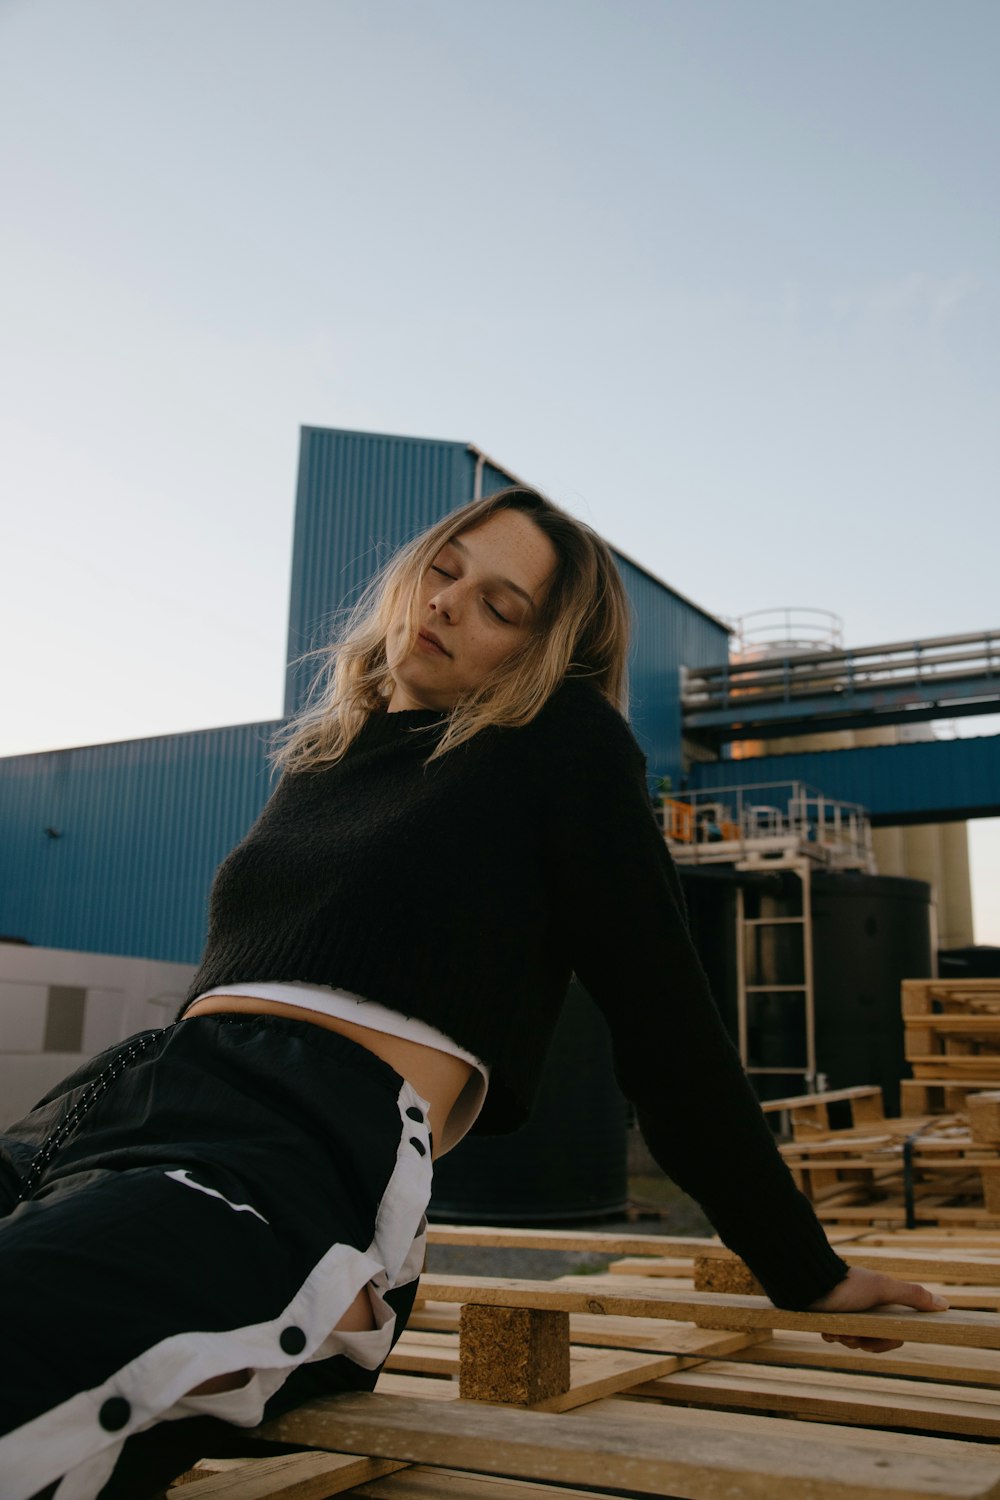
(465, 893)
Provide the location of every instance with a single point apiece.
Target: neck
(401, 701)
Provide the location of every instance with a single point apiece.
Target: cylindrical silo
(869, 933)
(569, 1161)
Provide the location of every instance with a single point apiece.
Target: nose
(446, 601)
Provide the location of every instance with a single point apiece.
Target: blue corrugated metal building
(111, 848)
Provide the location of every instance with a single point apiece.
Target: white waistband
(347, 1007)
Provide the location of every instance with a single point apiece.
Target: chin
(424, 693)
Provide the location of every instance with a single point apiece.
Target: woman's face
(476, 604)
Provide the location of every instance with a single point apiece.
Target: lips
(429, 636)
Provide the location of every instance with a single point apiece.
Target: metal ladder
(746, 927)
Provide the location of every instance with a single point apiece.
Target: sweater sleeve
(620, 900)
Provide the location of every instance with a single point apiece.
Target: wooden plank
(859, 1091)
(917, 996)
(481, 1235)
(423, 1389)
(295, 1476)
(617, 1297)
(947, 1067)
(661, 1451)
(975, 1241)
(865, 1400)
(654, 1335)
(420, 1353)
(436, 1353)
(960, 1025)
(986, 1298)
(886, 1214)
(911, 1265)
(593, 1373)
(418, 1482)
(972, 1367)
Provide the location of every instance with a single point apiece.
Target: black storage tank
(569, 1161)
(869, 933)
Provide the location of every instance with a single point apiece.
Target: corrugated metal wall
(668, 633)
(141, 827)
(925, 782)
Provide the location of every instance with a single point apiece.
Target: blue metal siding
(667, 633)
(929, 781)
(142, 826)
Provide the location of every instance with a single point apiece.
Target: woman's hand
(861, 1289)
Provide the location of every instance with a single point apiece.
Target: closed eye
(444, 574)
(493, 610)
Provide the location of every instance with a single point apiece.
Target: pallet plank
(968, 1367)
(865, 1400)
(911, 1265)
(711, 1310)
(659, 1451)
(418, 1482)
(294, 1476)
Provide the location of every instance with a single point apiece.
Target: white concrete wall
(58, 1007)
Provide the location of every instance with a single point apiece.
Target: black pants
(204, 1199)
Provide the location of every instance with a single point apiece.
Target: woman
(228, 1216)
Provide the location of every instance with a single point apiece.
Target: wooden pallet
(932, 1167)
(952, 1041)
(667, 1389)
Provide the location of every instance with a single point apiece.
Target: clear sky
(721, 276)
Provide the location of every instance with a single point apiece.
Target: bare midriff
(438, 1077)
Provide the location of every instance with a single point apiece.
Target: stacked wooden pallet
(931, 1169)
(952, 1041)
(645, 1381)
(935, 1166)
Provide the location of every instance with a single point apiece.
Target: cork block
(514, 1355)
(991, 1191)
(984, 1117)
(713, 1273)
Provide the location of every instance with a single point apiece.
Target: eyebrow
(507, 582)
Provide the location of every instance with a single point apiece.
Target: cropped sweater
(466, 892)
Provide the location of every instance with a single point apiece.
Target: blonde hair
(582, 630)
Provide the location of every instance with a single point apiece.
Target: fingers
(912, 1294)
(869, 1346)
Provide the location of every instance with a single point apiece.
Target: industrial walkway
(806, 692)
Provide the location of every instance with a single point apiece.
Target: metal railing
(802, 674)
(734, 823)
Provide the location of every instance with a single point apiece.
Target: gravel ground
(680, 1215)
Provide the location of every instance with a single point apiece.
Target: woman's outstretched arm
(619, 900)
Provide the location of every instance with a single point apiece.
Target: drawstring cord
(94, 1091)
